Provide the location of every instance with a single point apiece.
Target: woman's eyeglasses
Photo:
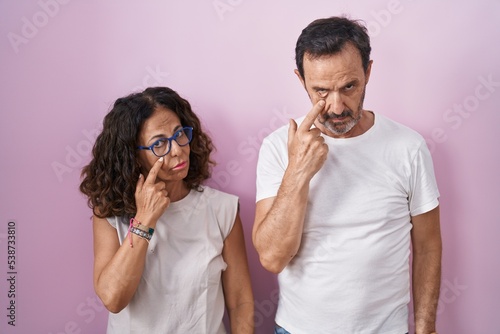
(162, 146)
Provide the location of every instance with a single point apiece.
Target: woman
(169, 253)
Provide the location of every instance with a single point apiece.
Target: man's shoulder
(392, 127)
(279, 135)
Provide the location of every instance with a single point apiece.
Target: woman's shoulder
(220, 201)
(117, 221)
(212, 193)
(224, 207)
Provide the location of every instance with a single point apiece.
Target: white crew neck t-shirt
(181, 289)
(351, 273)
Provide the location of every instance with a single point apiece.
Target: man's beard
(341, 128)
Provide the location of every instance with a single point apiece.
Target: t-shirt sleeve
(271, 166)
(424, 193)
(112, 221)
(226, 213)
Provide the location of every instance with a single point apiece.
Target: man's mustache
(345, 113)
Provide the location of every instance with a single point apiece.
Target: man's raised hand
(307, 150)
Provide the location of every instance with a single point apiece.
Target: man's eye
(322, 92)
(349, 87)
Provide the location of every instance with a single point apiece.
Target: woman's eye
(179, 134)
(159, 143)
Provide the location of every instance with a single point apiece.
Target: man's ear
(297, 73)
(368, 71)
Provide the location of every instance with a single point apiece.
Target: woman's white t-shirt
(181, 289)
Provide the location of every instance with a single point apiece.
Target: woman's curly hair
(109, 180)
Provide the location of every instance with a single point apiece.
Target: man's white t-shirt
(351, 273)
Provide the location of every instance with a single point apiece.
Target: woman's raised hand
(151, 197)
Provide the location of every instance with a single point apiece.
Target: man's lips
(339, 119)
(335, 118)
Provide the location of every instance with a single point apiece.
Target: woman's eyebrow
(162, 135)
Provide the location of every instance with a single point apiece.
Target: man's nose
(335, 103)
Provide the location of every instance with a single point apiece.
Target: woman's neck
(177, 190)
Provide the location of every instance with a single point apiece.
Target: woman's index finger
(153, 172)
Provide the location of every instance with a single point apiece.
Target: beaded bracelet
(141, 233)
(139, 230)
(139, 225)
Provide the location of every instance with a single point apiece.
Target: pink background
(63, 63)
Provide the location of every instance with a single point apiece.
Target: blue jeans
(281, 330)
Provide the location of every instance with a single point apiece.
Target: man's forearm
(279, 234)
(426, 285)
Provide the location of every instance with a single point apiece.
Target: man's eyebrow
(349, 83)
(352, 82)
(319, 88)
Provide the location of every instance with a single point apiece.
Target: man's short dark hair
(329, 36)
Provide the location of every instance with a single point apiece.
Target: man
(340, 195)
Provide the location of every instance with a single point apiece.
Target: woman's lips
(180, 165)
